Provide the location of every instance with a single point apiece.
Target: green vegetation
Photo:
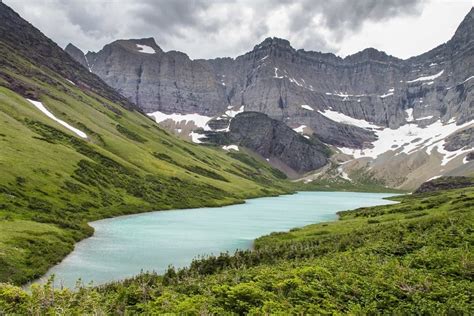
(339, 184)
(52, 182)
(415, 257)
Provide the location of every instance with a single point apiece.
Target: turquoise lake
(123, 246)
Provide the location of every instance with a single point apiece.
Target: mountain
(73, 150)
(381, 113)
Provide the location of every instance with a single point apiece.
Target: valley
(406, 258)
(53, 180)
(135, 180)
(123, 246)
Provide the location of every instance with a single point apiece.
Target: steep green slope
(53, 182)
(415, 257)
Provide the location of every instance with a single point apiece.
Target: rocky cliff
(274, 141)
(77, 54)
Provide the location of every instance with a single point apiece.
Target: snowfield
(197, 119)
(410, 138)
(43, 109)
(345, 119)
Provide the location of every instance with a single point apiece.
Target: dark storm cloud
(200, 24)
(347, 16)
(171, 16)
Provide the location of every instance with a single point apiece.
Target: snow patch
(196, 137)
(383, 96)
(410, 115)
(426, 78)
(276, 74)
(300, 129)
(345, 119)
(307, 107)
(343, 174)
(293, 80)
(425, 118)
(231, 147)
(145, 49)
(70, 82)
(471, 77)
(232, 113)
(197, 119)
(43, 109)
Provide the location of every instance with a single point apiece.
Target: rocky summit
(378, 112)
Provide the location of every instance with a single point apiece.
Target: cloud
(343, 17)
(207, 28)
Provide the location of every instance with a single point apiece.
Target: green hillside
(415, 257)
(53, 182)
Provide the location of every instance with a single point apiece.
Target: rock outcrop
(445, 183)
(273, 140)
(77, 54)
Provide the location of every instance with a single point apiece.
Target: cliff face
(77, 54)
(158, 81)
(274, 141)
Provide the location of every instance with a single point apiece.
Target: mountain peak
(142, 45)
(370, 54)
(464, 32)
(274, 42)
(77, 54)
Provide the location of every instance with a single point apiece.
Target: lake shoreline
(120, 218)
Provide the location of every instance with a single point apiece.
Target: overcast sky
(208, 29)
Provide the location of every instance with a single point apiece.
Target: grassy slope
(52, 183)
(415, 257)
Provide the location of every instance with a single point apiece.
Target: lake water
(123, 246)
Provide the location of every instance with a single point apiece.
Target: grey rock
(169, 82)
(460, 140)
(445, 183)
(77, 54)
(273, 139)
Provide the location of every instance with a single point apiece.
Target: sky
(225, 28)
